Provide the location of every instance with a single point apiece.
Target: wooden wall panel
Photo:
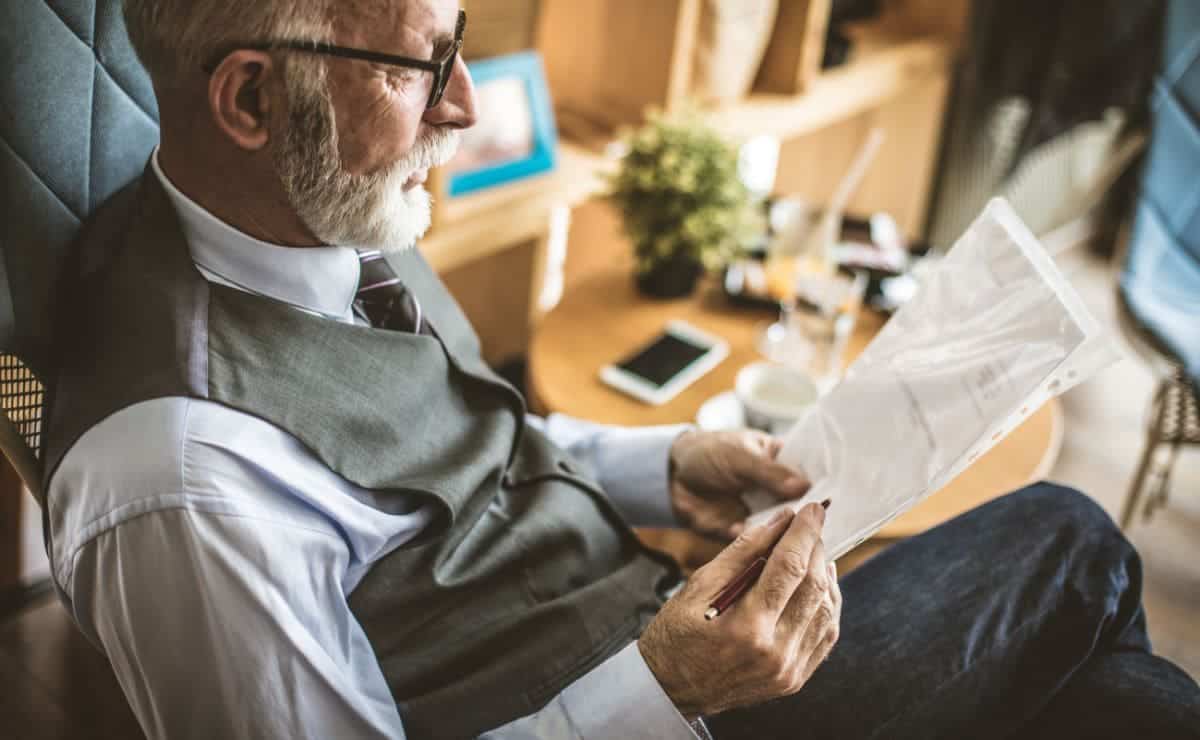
(901, 178)
(596, 242)
(810, 165)
(904, 171)
(496, 27)
(793, 58)
(495, 292)
(606, 60)
(945, 18)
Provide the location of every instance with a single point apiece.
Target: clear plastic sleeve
(994, 332)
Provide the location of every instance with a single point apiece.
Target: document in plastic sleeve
(994, 332)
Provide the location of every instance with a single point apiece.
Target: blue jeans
(1022, 618)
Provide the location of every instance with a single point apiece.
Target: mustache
(432, 150)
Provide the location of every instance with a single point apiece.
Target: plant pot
(672, 278)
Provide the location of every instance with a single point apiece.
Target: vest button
(508, 479)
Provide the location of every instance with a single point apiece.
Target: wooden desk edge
(1058, 430)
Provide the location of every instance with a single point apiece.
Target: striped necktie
(384, 300)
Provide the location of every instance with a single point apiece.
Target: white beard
(371, 211)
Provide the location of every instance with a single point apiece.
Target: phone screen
(663, 359)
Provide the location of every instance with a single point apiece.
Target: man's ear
(239, 100)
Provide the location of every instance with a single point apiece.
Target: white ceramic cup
(774, 396)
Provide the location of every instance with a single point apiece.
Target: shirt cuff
(633, 467)
(621, 698)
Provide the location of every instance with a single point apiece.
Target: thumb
(760, 471)
(742, 552)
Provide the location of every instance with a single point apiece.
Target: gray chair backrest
(1161, 278)
(78, 121)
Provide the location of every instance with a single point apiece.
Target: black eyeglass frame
(441, 68)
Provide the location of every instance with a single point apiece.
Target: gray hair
(175, 37)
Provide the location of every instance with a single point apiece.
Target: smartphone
(675, 359)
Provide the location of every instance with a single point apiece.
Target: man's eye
(403, 74)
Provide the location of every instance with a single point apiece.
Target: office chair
(1158, 298)
(78, 121)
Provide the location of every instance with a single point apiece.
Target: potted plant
(682, 202)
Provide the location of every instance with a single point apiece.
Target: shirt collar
(319, 279)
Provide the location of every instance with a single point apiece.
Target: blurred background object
(1045, 102)
(683, 202)
(837, 43)
(1161, 279)
(730, 45)
(1158, 299)
(499, 27)
(515, 137)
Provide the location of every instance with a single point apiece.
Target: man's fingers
(715, 517)
(756, 467)
(741, 553)
(820, 654)
(788, 565)
(825, 627)
(835, 589)
(811, 595)
(821, 636)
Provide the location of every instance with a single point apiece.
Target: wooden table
(602, 317)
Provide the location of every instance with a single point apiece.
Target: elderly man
(288, 499)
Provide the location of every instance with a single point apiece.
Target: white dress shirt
(210, 555)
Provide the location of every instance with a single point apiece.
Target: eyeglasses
(441, 68)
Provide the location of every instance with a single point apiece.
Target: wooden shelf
(883, 67)
(476, 225)
(574, 178)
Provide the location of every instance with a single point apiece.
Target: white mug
(774, 396)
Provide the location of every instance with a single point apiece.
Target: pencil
(740, 585)
(736, 588)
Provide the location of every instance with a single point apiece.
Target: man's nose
(457, 106)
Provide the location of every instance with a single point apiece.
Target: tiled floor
(53, 685)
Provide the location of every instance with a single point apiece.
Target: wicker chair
(1174, 419)
(22, 399)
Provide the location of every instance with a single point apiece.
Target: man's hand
(769, 642)
(710, 470)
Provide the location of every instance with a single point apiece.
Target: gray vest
(527, 580)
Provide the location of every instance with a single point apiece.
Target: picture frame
(515, 136)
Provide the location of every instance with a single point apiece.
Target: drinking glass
(815, 325)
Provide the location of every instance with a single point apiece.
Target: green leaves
(678, 190)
